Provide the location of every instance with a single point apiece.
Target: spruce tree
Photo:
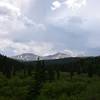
(39, 79)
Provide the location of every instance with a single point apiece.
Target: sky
(45, 27)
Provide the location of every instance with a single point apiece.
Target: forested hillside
(62, 79)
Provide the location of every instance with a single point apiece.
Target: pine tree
(39, 78)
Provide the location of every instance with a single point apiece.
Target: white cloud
(38, 48)
(75, 4)
(12, 19)
(74, 53)
(17, 24)
(69, 52)
(67, 9)
(18, 3)
(32, 47)
(7, 8)
(71, 4)
(55, 5)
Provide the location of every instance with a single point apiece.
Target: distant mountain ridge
(58, 56)
(26, 57)
(32, 57)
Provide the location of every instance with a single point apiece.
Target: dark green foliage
(71, 70)
(90, 71)
(58, 74)
(61, 79)
(39, 79)
(51, 75)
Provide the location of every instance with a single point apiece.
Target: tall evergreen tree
(39, 78)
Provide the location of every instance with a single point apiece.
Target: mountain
(57, 56)
(26, 57)
(32, 57)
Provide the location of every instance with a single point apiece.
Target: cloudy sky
(48, 26)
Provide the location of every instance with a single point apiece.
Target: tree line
(48, 70)
(90, 65)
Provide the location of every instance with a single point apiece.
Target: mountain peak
(32, 57)
(58, 55)
(26, 57)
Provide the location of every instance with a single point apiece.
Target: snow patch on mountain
(32, 57)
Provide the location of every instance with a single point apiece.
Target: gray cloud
(22, 22)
